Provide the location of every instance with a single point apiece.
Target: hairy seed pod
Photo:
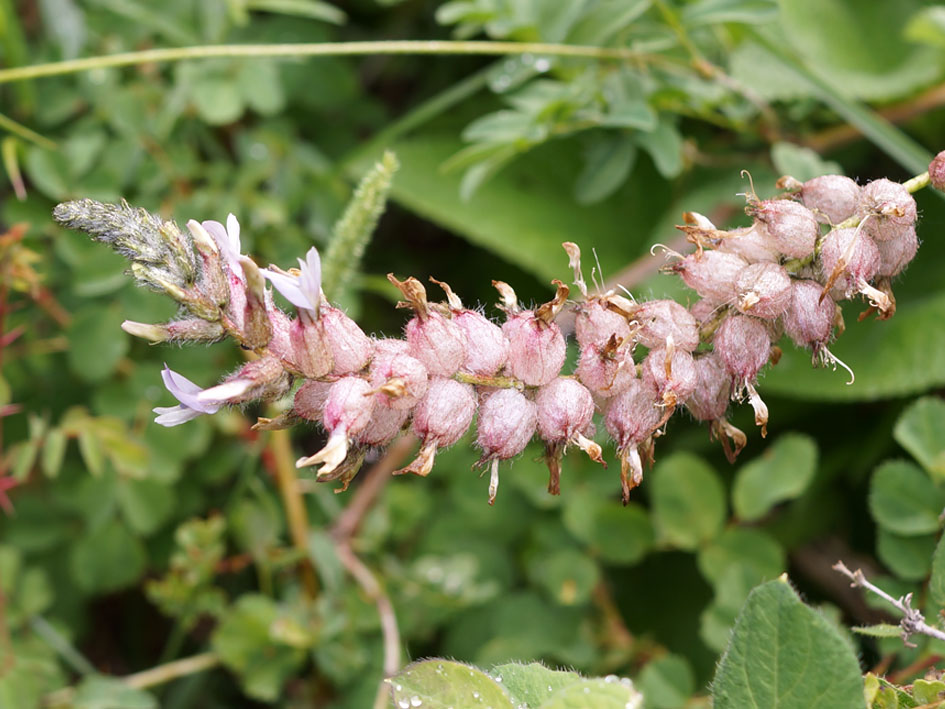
(937, 172)
(437, 342)
(401, 380)
(631, 418)
(671, 373)
(848, 259)
(384, 425)
(710, 398)
(309, 402)
(594, 324)
(348, 410)
(565, 408)
(886, 209)
(711, 274)
(751, 243)
(791, 226)
(507, 421)
(536, 348)
(487, 349)
(350, 348)
(743, 346)
(809, 320)
(832, 198)
(661, 319)
(762, 290)
(606, 370)
(440, 419)
(896, 254)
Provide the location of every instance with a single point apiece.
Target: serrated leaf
(880, 630)
(904, 500)
(688, 501)
(607, 163)
(783, 654)
(439, 684)
(667, 682)
(533, 683)
(781, 473)
(921, 431)
(597, 693)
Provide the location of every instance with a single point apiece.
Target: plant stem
(61, 645)
(173, 670)
(323, 49)
(296, 514)
(8, 124)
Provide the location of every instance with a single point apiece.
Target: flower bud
(832, 198)
(213, 277)
(762, 290)
(886, 209)
(400, 380)
(347, 412)
(350, 348)
(671, 373)
(661, 319)
(606, 370)
(937, 172)
(711, 274)
(791, 226)
(281, 325)
(184, 330)
(440, 419)
(507, 422)
(632, 417)
(255, 328)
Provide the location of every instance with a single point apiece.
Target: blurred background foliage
(133, 545)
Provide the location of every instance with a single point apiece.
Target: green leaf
(34, 672)
(664, 144)
(781, 473)
(53, 452)
(438, 684)
(864, 54)
(618, 534)
(927, 26)
(100, 692)
(688, 501)
(801, 163)
(880, 630)
(902, 356)
(145, 504)
(713, 12)
(244, 640)
(597, 693)
(567, 575)
(667, 682)
(904, 500)
(216, 94)
(937, 580)
(921, 431)
(311, 9)
(745, 547)
(928, 691)
(107, 559)
(608, 161)
(96, 342)
(907, 557)
(783, 654)
(532, 684)
(261, 86)
(49, 171)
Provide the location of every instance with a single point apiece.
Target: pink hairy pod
(661, 319)
(350, 348)
(671, 372)
(809, 322)
(537, 348)
(762, 290)
(347, 412)
(937, 172)
(281, 324)
(595, 323)
(487, 350)
(507, 422)
(432, 338)
(711, 274)
(790, 225)
(565, 417)
(385, 424)
(886, 210)
(440, 419)
(896, 254)
(631, 418)
(608, 370)
(703, 311)
(255, 331)
(751, 243)
(832, 198)
(310, 353)
(213, 276)
(849, 260)
(743, 345)
(400, 380)
(710, 401)
(309, 402)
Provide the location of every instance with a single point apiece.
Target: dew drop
(610, 679)
(498, 678)
(404, 704)
(398, 687)
(542, 65)
(415, 701)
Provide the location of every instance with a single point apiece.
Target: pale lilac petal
(310, 278)
(289, 287)
(229, 247)
(225, 392)
(233, 232)
(185, 391)
(174, 415)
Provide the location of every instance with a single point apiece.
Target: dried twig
(912, 623)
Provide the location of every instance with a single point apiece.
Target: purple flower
(304, 290)
(228, 241)
(187, 393)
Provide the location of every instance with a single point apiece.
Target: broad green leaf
(33, 672)
(311, 9)
(898, 357)
(533, 683)
(107, 559)
(567, 575)
(907, 557)
(801, 163)
(928, 691)
(863, 55)
(597, 693)
(618, 534)
(881, 694)
(100, 692)
(783, 654)
(664, 144)
(49, 171)
(904, 500)
(688, 501)
(927, 26)
(781, 473)
(713, 12)
(96, 342)
(667, 682)
(145, 504)
(921, 431)
(54, 450)
(745, 547)
(608, 161)
(438, 684)
(937, 580)
(519, 217)
(244, 640)
(261, 86)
